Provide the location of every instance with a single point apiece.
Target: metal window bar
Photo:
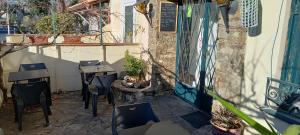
(190, 40)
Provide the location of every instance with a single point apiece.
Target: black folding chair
(134, 115)
(101, 85)
(30, 94)
(89, 77)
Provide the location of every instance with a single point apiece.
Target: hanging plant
(223, 2)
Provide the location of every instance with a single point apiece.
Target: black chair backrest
(104, 82)
(30, 92)
(134, 115)
(34, 66)
(89, 63)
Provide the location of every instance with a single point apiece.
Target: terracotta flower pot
(218, 130)
(70, 39)
(39, 39)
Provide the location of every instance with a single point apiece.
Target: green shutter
(128, 24)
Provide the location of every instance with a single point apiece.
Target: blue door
(195, 54)
(291, 66)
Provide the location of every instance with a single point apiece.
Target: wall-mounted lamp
(141, 6)
(224, 6)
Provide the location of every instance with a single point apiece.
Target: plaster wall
(257, 66)
(140, 23)
(62, 62)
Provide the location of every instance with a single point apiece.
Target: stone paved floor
(70, 118)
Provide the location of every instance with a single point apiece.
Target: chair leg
(83, 92)
(87, 99)
(82, 82)
(49, 110)
(110, 97)
(94, 104)
(45, 111)
(20, 114)
(16, 110)
(14, 103)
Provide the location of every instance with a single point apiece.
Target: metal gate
(196, 52)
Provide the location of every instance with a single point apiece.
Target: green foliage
(132, 65)
(65, 23)
(291, 130)
(39, 7)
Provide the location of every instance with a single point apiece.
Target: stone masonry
(230, 58)
(162, 51)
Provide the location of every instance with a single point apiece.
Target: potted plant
(291, 130)
(225, 122)
(135, 69)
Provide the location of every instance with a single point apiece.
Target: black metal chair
(37, 66)
(88, 77)
(101, 85)
(134, 115)
(30, 94)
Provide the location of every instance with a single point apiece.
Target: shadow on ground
(70, 118)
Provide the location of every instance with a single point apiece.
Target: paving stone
(70, 118)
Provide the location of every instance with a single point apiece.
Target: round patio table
(129, 94)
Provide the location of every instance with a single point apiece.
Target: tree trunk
(2, 87)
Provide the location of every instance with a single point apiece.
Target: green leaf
(261, 129)
(292, 130)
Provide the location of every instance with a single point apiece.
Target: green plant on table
(133, 66)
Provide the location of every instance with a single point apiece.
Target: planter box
(69, 39)
(17, 39)
(43, 39)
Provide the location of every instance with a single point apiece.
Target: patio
(70, 117)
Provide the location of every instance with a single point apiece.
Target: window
(128, 24)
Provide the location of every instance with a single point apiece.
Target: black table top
(96, 69)
(26, 75)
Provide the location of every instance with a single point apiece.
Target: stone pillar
(230, 59)
(162, 51)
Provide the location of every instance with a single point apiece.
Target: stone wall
(230, 58)
(162, 52)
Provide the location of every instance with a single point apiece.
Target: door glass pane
(190, 46)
